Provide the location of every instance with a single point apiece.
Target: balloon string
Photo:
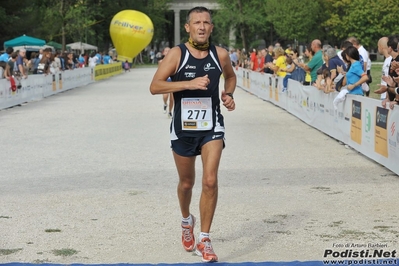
(201, 47)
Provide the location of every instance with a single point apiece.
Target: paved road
(94, 165)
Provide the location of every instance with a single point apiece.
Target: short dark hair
(393, 42)
(9, 50)
(197, 9)
(346, 44)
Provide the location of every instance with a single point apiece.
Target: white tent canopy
(81, 46)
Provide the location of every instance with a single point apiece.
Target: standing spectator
(269, 59)
(44, 65)
(11, 67)
(20, 63)
(6, 56)
(152, 56)
(309, 54)
(288, 50)
(288, 70)
(365, 57)
(316, 62)
(258, 63)
(354, 78)
(106, 59)
(93, 60)
(40, 54)
(99, 58)
(233, 57)
(393, 42)
(242, 58)
(383, 50)
(280, 62)
(57, 61)
(126, 66)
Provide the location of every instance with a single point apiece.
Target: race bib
(196, 113)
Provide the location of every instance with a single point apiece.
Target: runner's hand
(228, 102)
(200, 83)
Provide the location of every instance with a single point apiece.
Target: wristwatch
(230, 94)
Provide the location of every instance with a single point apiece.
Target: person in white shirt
(383, 50)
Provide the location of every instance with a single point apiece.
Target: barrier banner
(106, 71)
(36, 87)
(359, 121)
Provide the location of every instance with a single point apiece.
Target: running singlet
(197, 112)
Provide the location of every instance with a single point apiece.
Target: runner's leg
(186, 170)
(210, 155)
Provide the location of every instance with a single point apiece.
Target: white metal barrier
(36, 87)
(360, 122)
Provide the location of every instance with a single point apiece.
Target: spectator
(93, 60)
(242, 58)
(126, 66)
(44, 65)
(309, 54)
(365, 58)
(54, 65)
(106, 59)
(288, 50)
(298, 74)
(269, 59)
(21, 65)
(316, 62)
(12, 70)
(280, 62)
(57, 60)
(391, 79)
(6, 56)
(233, 57)
(383, 50)
(353, 78)
(152, 56)
(3, 66)
(288, 69)
(40, 54)
(258, 63)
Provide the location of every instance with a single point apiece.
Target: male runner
(197, 126)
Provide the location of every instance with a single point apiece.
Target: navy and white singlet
(197, 112)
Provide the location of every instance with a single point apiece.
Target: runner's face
(200, 27)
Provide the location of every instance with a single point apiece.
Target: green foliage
(295, 20)
(253, 20)
(247, 17)
(368, 20)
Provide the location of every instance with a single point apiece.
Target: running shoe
(170, 115)
(187, 237)
(164, 108)
(205, 249)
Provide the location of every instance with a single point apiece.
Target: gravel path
(89, 173)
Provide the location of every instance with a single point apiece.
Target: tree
(368, 20)
(246, 16)
(295, 20)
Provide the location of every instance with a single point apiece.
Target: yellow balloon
(131, 31)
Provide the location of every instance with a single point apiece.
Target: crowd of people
(345, 70)
(16, 65)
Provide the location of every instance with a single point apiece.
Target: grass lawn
(376, 72)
